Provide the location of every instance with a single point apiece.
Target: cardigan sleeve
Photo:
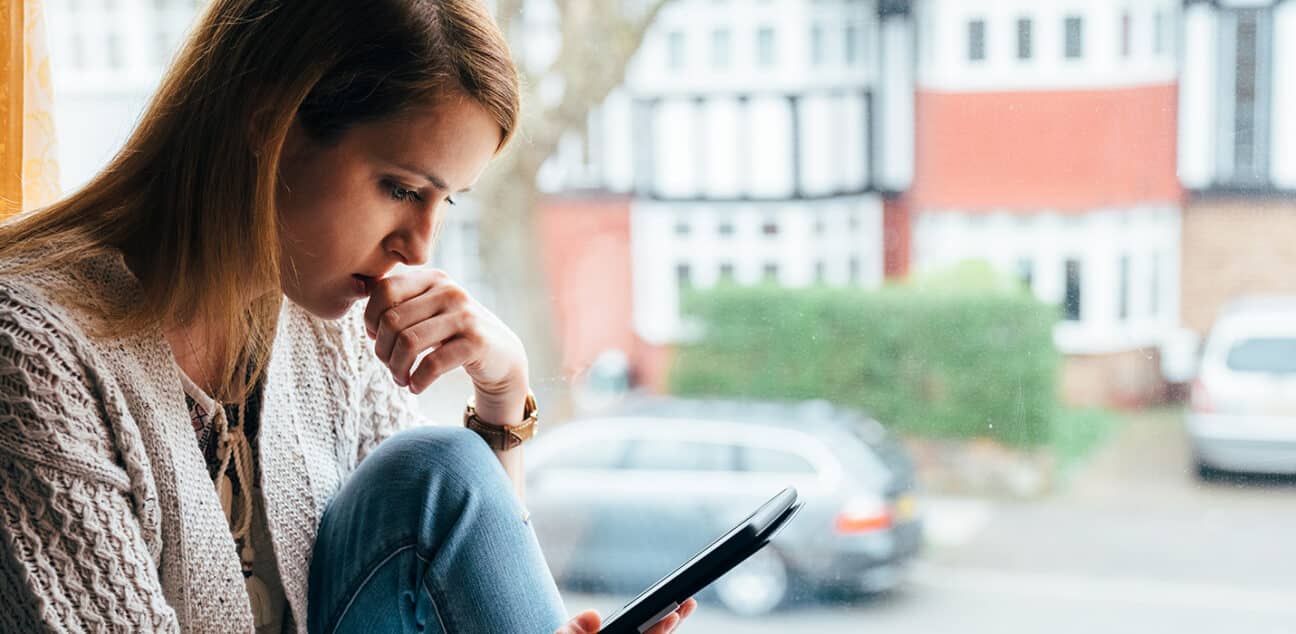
(73, 556)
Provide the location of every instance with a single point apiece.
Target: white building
(1046, 148)
(757, 140)
(1236, 132)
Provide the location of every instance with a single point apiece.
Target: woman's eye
(400, 193)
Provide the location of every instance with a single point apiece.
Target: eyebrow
(431, 178)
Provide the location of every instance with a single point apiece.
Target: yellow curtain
(28, 169)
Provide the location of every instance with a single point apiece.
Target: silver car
(1243, 412)
(619, 501)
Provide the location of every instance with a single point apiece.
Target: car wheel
(1207, 473)
(756, 586)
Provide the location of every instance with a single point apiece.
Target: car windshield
(1267, 355)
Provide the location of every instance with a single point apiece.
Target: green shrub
(929, 360)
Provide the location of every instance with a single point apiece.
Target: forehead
(454, 137)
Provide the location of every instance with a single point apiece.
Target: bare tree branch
(598, 40)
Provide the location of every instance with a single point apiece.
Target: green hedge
(924, 359)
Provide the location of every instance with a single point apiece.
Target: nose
(412, 242)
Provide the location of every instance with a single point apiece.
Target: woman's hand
(588, 622)
(423, 309)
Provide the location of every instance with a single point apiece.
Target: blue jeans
(428, 536)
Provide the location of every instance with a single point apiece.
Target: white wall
(656, 249)
(722, 148)
(791, 20)
(944, 45)
(1098, 239)
(895, 99)
(1283, 116)
(98, 99)
(1198, 101)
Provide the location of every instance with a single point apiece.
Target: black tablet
(743, 541)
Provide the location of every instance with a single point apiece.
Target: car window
(1269, 355)
(765, 460)
(674, 455)
(600, 454)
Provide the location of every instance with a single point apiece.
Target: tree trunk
(513, 266)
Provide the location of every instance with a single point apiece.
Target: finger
(587, 622)
(414, 341)
(412, 311)
(665, 625)
(392, 290)
(450, 355)
(685, 610)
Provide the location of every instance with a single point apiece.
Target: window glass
(817, 51)
(674, 455)
(1267, 355)
(1074, 34)
(765, 460)
(606, 454)
(976, 40)
(1002, 229)
(675, 50)
(1072, 295)
(851, 43)
(1126, 35)
(765, 46)
(1025, 41)
(720, 48)
(1123, 299)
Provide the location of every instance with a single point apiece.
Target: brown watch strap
(505, 437)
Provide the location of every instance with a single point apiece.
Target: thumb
(587, 622)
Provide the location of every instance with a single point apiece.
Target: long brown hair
(190, 199)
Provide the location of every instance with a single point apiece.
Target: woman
(198, 420)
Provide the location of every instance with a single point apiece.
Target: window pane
(976, 40)
(672, 455)
(675, 51)
(851, 44)
(817, 53)
(1125, 35)
(765, 460)
(604, 455)
(765, 46)
(720, 46)
(1024, 41)
(1074, 28)
(1266, 355)
(1071, 300)
(1124, 294)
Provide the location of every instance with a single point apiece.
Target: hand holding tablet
(722, 555)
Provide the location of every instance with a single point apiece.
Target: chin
(323, 307)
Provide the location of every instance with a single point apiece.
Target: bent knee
(437, 448)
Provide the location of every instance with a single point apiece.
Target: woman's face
(352, 210)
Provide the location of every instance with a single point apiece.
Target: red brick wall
(1067, 150)
(587, 261)
(1233, 248)
(897, 236)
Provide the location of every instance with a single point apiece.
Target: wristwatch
(504, 437)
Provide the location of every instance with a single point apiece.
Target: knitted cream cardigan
(108, 517)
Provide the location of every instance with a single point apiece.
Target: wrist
(503, 436)
(500, 410)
